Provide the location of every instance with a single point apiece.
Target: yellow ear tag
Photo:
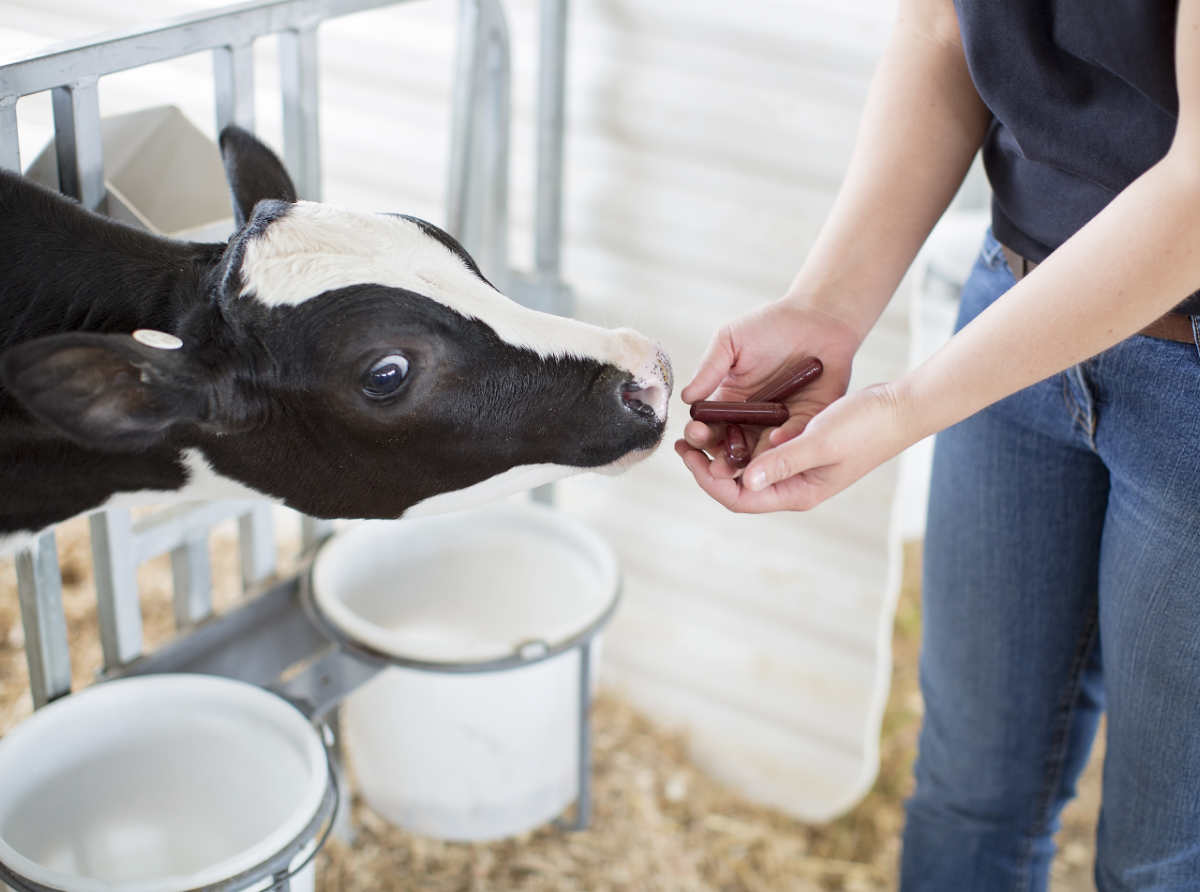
(158, 339)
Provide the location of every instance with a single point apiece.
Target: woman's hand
(854, 435)
(751, 350)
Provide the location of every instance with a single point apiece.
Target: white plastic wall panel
(706, 143)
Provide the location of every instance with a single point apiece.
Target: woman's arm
(921, 127)
(1133, 262)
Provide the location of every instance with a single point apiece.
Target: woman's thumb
(710, 372)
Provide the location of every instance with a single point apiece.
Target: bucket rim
(293, 834)
(367, 654)
(375, 644)
(279, 867)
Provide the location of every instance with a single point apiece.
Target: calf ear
(254, 173)
(106, 391)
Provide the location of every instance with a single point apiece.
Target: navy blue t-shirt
(1084, 101)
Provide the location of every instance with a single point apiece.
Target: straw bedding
(659, 825)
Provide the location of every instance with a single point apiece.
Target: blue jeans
(1062, 579)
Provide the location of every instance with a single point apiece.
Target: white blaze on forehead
(315, 248)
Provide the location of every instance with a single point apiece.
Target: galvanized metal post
(10, 145)
(477, 213)
(462, 121)
(39, 591)
(191, 573)
(301, 134)
(233, 78)
(495, 94)
(314, 531)
(343, 819)
(256, 545)
(583, 804)
(117, 605)
(583, 796)
(552, 71)
(77, 142)
(547, 244)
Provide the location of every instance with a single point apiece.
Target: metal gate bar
(39, 590)
(72, 68)
(119, 545)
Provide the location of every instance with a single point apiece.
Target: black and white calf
(345, 364)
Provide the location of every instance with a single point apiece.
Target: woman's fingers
(798, 420)
(847, 440)
(706, 472)
(711, 440)
(714, 366)
(778, 464)
(794, 494)
(700, 435)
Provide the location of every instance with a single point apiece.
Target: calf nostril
(642, 409)
(632, 396)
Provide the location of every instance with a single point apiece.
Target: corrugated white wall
(706, 143)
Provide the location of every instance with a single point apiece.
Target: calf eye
(386, 376)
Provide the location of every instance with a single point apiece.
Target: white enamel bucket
(162, 783)
(474, 732)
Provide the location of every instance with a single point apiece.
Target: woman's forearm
(1133, 262)
(921, 127)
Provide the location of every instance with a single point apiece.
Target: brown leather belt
(1171, 327)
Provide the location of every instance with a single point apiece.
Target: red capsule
(762, 414)
(737, 450)
(789, 382)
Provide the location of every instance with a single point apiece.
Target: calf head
(352, 365)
